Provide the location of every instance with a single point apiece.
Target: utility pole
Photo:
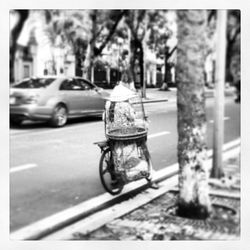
(217, 171)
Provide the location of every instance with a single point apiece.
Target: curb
(47, 226)
(105, 216)
(113, 213)
(62, 219)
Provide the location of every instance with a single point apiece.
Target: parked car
(55, 99)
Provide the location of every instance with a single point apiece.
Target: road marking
(225, 119)
(65, 217)
(159, 134)
(22, 167)
(47, 130)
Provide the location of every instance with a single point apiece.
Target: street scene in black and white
(125, 124)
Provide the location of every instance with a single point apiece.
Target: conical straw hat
(121, 93)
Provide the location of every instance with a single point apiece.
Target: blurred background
(96, 44)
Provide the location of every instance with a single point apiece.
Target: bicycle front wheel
(109, 180)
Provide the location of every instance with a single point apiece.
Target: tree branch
(112, 31)
(211, 14)
(232, 40)
(139, 19)
(96, 35)
(171, 52)
(23, 15)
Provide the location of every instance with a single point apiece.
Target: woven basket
(129, 133)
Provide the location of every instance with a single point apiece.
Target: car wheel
(15, 121)
(60, 116)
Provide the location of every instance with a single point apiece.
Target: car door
(92, 101)
(71, 93)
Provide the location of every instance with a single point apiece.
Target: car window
(66, 85)
(84, 84)
(34, 83)
(69, 84)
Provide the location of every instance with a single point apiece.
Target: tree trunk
(128, 74)
(167, 75)
(92, 73)
(23, 16)
(108, 75)
(193, 199)
(133, 46)
(88, 63)
(78, 65)
(142, 65)
(92, 45)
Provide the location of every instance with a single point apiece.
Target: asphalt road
(54, 169)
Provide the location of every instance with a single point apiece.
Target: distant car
(55, 99)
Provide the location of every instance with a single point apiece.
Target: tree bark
(167, 75)
(92, 45)
(134, 46)
(230, 53)
(23, 15)
(141, 65)
(193, 176)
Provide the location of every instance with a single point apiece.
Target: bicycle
(112, 183)
(129, 138)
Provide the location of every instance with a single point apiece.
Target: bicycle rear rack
(102, 144)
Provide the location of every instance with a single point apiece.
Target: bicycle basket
(131, 159)
(125, 120)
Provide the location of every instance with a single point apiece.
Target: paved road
(54, 169)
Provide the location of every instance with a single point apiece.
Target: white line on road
(63, 217)
(225, 119)
(159, 134)
(22, 167)
(32, 165)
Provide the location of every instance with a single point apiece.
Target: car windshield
(34, 83)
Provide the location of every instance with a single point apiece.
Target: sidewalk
(156, 95)
(156, 220)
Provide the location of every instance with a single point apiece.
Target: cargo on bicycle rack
(126, 155)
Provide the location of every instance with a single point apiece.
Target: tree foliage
(102, 28)
(86, 31)
(160, 34)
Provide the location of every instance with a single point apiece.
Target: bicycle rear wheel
(109, 180)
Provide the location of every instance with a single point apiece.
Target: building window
(26, 71)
